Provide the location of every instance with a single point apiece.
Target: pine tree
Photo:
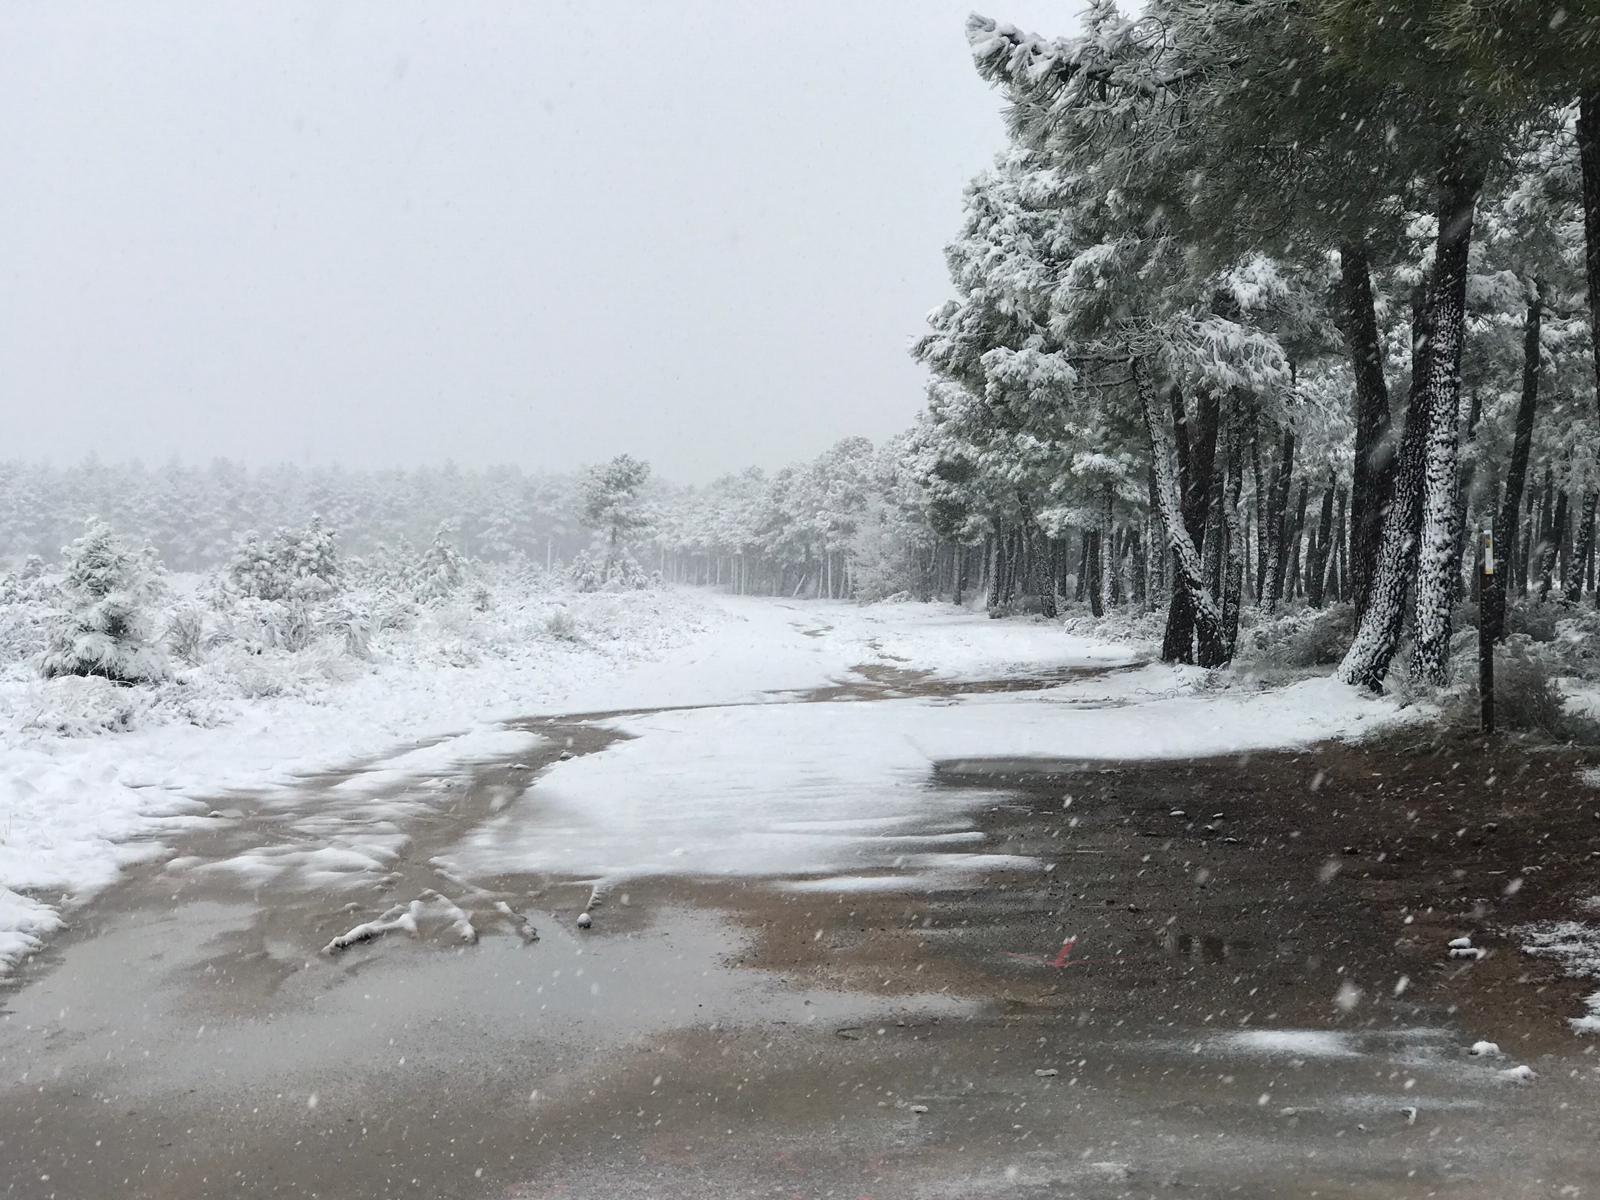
(104, 621)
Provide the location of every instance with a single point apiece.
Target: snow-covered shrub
(389, 568)
(1528, 696)
(74, 706)
(186, 633)
(392, 613)
(105, 611)
(293, 564)
(259, 625)
(562, 626)
(441, 571)
(584, 574)
(622, 574)
(1307, 637)
(1534, 618)
(350, 626)
(26, 610)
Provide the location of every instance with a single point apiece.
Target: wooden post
(1486, 637)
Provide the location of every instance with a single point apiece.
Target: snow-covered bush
(293, 564)
(105, 611)
(441, 572)
(622, 574)
(562, 626)
(186, 633)
(1303, 638)
(26, 610)
(1528, 696)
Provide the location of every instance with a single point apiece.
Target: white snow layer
(847, 790)
(74, 811)
(759, 785)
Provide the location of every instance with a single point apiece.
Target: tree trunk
(1316, 577)
(1374, 455)
(1551, 548)
(1188, 575)
(1233, 581)
(1589, 160)
(1339, 568)
(1277, 528)
(1292, 582)
(1585, 546)
(1459, 183)
(1378, 633)
(1505, 525)
(1107, 542)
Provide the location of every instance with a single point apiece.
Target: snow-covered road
(724, 784)
(847, 934)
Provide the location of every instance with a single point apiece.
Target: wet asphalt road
(1208, 1004)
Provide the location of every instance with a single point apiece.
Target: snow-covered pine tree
(614, 503)
(104, 623)
(441, 572)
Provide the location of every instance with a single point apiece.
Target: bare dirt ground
(1230, 980)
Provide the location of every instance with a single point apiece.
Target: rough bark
(1585, 546)
(1589, 161)
(1317, 575)
(1188, 575)
(1378, 634)
(1296, 529)
(1459, 184)
(1374, 455)
(1233, 580)
(1505, 525)
(1277, 519)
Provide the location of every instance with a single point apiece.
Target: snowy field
(733, 777)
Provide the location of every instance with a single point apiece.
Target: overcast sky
(546, 232)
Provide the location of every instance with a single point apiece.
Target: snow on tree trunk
(1107, 539)
(1584, 547)
(1188, 573)
(1233, 579)
(1278, 520)
(1378, 634)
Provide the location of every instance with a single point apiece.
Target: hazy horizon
(400, 234)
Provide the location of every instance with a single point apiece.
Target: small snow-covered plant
(293, 564)
(562, 626)
(441, 571)
(1536, 618)
(352, 626)
(186, 633)
(103, 622)
(482, 600)
(585, 575)
(1527, 692)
